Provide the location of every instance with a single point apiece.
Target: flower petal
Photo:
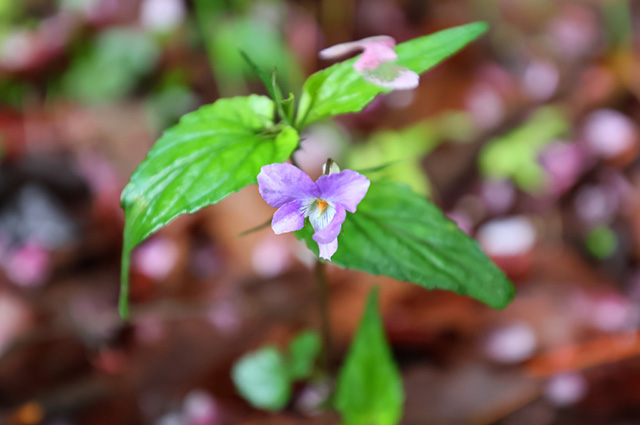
(373, 44)
(332, 230)
(328, 249)
(280, 184)
(347, 188)
(288, 218)
(392, 76)
(339, 50)
(374, 55)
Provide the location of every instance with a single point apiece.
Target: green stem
(325, 322)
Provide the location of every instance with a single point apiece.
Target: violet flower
(324, 201)
(377, 62)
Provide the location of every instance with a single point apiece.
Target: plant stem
(325, 322)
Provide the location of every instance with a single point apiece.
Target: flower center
(322, 204)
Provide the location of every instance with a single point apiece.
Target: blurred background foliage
(528, 139)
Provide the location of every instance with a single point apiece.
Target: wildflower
(324, 201)
(377, 62)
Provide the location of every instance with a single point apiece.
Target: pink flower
(377, 62)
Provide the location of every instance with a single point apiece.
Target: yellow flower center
(322, 204)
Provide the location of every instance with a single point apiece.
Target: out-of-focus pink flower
(377, 62)
(575, 31)
(162, 15)
(224, 315)
(563, 162)
(609, 133)
(498, 195)
(199, 408)
(595, 204)
(507, 237)
(156, 257)
(18, 50)
(511, 344)
(28, 265)
(462, 220)
(540, 80)
(565, 389)
(486, 106)
(271, 256)
(14, 319)
(609, 312)
(149, 329)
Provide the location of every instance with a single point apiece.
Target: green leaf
(369, 390)
(400, 234)
(303, 351)
(401, 151)
(211, 153)
(339, 89)
(262, 379)
(110, 66)
(515, 154)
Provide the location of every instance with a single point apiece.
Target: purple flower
(325, 201)
(376, 64)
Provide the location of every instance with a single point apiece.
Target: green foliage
(303, 351)
(339, 89)
(211, 153)
(257, 38)
(111, 66)
(369, 388)
(262, 379)
(515, 155)
(602, 242)
(402, 150)
(400, 234)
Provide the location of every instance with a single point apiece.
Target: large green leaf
(263, 379)
(339, 89)
(211, 153)
(369, 388)
(400, 234)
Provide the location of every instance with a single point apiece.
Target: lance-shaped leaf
(340, 89)
(211, 153)
(369, 390)
(400, 234)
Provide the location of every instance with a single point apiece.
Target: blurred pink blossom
(162, 15)
(376, 64)
(563, 162)
(540, 80)
(271, 256)
(498, 195)
(28, 265)
(510, 236)
(226, 318)
(565, 389)
(511, 344)
(596, 204)
(199, 408)
(14, 319)
(156, 257)
(609, 133)
(574, 32)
